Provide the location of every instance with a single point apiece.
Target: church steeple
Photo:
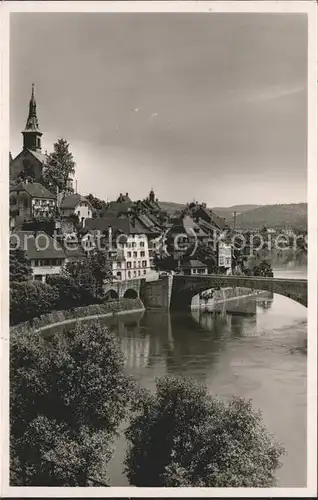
(31, 134)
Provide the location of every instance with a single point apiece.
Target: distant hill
(228, 211)
(293, 215)
(171, 207)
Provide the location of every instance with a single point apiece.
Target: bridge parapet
(185, 287)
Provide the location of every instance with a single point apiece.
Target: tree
(69, 294)
(79, 271)
(182, 436)
(20, 266)
(91, 272)
(60, 166)
(100, 269)
(68, 394)
(30, 299)
(98, 205)
(165, 263)
(208, 256)
(263, 269)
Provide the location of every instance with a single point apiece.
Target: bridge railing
(232, 277)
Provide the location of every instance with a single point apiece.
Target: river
(261, 356)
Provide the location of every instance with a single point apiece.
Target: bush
(183, 436)
(30, 299)
(70, 294)
(68, 396)
(20, 266)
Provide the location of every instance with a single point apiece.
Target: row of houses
(56, 228)
(130, 238)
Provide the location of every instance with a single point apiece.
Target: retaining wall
(114, 308)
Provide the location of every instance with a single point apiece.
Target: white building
(78, 205)
(225, 256)
(130, 259)
(126, 243)
(46, 255)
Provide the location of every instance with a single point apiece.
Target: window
(144, 263)
(135, 255)
(133, 244)
(135, 264)
(138, 273)
(119, 265)
(128, 265)
(139, 263)
(142, 243)
(145, 272)
(119, 275)
(128, 254)
(135, 274)
(142, 254)
(129, 274)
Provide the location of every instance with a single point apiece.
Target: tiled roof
(37, 245)
(193, 263)
(123, 225)
(72, 200)
(191, 226)
(39, 156)
(115, 208)
(75, 252)
(34, 189)
(212, 217)
(207, 225)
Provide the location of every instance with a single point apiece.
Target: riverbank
(227, 295)
(85, 313)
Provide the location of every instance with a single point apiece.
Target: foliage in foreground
(68, 396)
(183, 436)
(29, 299)
(20, 266)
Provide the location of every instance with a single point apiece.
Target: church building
(30, 161)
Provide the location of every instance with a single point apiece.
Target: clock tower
(31, 134)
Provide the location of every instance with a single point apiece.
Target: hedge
(30, 299)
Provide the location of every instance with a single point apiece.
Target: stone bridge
(176, 292)
(130, 289)
(186, 287)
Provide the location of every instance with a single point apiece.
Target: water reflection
(255, 350)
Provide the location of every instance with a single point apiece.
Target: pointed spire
(32, 121)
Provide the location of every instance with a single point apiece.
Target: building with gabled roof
(193, 267)
(78, 205)
(30, 201)
(46, 255)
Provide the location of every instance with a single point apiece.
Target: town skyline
(159, 117)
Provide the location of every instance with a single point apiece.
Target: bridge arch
(130, 294)
(111, 295)
(184, 288)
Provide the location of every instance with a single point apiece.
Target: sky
(197, 106)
